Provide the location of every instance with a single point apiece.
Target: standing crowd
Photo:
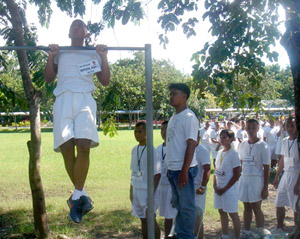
(243, 153)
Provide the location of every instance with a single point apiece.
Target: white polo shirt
(181, 127)
(290, 153)
(253, 157)
(138, 166)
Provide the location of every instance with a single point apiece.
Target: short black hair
(252, 121)
(182, 87)
(228, 132)
(141, 124)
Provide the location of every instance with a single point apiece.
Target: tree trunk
(291, 43)
(34, 145)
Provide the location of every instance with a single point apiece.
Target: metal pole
(149, 117)
(45, 48)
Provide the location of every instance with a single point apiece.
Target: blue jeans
(184, 201)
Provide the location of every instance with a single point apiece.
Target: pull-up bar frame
(149, 117)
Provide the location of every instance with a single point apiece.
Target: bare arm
(188, 158)
(205, 178)
(50, 71)
(232, 181)
(104, 75)
(264, 193)
(130, 193)
(279, 171)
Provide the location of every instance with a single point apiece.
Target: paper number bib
(89, 67)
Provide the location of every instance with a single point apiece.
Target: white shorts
(273, 154)
(164, 205)
(228, 202)
(285, 193)
(200, 199)
(278, 147)
(74, 117)
(250, 188)
(139, 202)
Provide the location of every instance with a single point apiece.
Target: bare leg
(68, 152)
(259, 216)
(224, 221)
(82, 162)
(168, 226)
(144, 228)
(280, 215)
(247, 216)
(236, 224)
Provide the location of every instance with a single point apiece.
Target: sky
(178, 51)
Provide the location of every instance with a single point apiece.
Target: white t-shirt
(205, 136)
(181, 127)
(225, 163)
(253, 157)
(242, 134)
(214, 135)
(203, 158)
(69, 78)
(271, 136)
(161, 152)
(138, 166)
(290, 153)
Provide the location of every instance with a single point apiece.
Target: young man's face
(78, 30)
(140, 134)
(217, 125)
(225, 140)
(177, 97)
(163, 131)
(252, 129)
(291, 127)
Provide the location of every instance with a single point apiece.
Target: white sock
(225, 236)
(84, 192)
(76, 194)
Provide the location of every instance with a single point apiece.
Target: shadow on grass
(18, 224)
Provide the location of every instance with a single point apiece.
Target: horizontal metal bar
(45, 48)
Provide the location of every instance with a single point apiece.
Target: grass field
(108, 185)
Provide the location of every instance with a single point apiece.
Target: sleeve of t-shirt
(239, 134)
(282, 147)
(265, 154)
(204, 156)
(235, 160)
(265, 132)
(156, 162)
(191, 128)
(132, 159)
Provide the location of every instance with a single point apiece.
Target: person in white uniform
(201, 180)
(138, 185)
(165, 206)
(270, 137)
(288, 188)
(215, 139)
(74, 110)
(205, 136)
(226, 176)
(241, 134)
(253, 184)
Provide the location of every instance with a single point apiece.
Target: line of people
(182, 169)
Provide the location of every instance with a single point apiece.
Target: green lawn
(107, 184)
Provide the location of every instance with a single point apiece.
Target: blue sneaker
(75, 210)
(86, 204)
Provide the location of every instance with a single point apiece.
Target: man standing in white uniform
(205, 136)
(270, 136)
(253, 184)
(181, 160)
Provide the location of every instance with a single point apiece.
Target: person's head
(252, 127)
(291, 128)
(272, 122)
(217, 125)
(229, 125)
(78, 30)
(179, 94)
(226, 137)
(140, 132)
(207, 124)
(243, 124)
(163, 130)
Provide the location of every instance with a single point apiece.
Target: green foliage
(109, 126)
